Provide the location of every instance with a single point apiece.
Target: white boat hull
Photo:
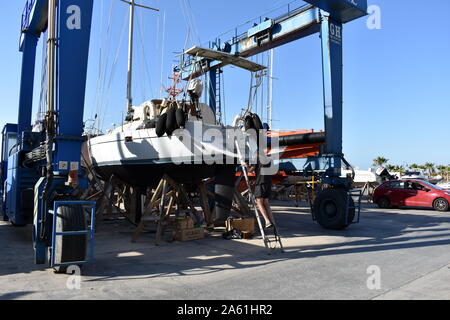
(139, 157)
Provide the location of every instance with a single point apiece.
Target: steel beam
(73, 49)
(342, 10)
(34, 19)
(27, 83)
(331, 41)
(293, 27)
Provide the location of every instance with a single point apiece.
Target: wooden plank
(162, 220)
(183, 192)
(161, 212)
(242, 203)
(155, 202)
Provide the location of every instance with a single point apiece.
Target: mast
(130, 58)
(132, 4)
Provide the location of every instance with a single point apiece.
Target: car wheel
(384, 203)
(440, 204)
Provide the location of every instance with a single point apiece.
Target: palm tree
(390, 168)
(414, 166)
(400, 169)
(429, 167)
(444, 171)
(379, 161)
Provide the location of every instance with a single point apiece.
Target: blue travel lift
(334, 207)
(41, 176)
(40, 169)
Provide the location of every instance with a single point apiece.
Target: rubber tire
(257, 123)
(20, 225)
(384, 203)
(171, 121)
(444, 203)
(336, 198)
(161, 125)
(70, 248)
(181, 118)
(248, 123)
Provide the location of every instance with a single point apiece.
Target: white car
(444, 185)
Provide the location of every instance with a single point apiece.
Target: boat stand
(116, 199)
(168, 198)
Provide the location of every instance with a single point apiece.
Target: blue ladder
(357, 204)
(90, 231)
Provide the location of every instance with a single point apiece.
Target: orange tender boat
(293, 144)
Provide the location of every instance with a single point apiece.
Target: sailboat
(181, 137)
(176, 136)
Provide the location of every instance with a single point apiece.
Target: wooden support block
(189, 234)
(161, 213)
(242, 203)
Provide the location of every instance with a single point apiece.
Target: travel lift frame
(43, 168)
(334, 207)
(43, 172)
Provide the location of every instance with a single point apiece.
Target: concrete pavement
(390, 254)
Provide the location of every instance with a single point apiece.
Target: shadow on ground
(15, 295)
(119, 259)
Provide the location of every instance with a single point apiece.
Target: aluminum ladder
(268, 240)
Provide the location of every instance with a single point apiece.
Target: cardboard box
(189, 234)
(246, 224)
(183, 224)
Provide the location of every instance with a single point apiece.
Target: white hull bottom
(139, 157)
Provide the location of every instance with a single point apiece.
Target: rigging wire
(103, 68)
(97, 92)
(146, 71)
(158, 40)
(193, 20)
(190, 20)
(112, 72)
(162, 55)
(141, 71)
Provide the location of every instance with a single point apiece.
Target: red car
(411, 193)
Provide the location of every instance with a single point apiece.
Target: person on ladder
(263, 190)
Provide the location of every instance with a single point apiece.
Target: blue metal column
(331, 39)
(211, 78)
(26, 82)
(74, 28)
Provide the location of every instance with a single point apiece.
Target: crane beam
(272, 33)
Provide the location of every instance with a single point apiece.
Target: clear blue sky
(396, 80)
